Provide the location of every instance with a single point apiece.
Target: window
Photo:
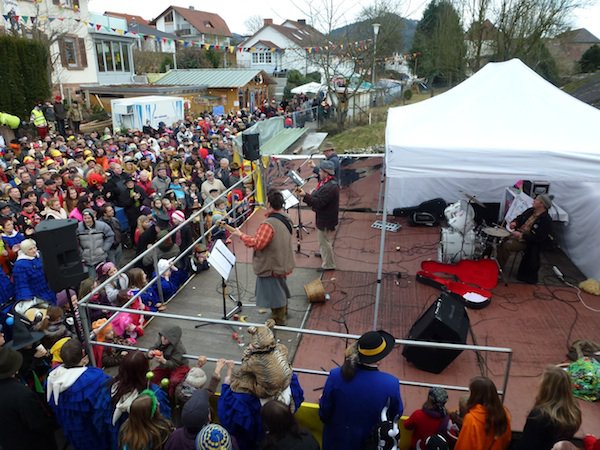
(262, 58)
(116, 48)
(72, 53)
(169, 17)
(100, 57)
(113, 56)
(73, 4)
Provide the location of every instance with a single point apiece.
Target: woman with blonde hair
(145, 428)
(555, 415)
(486, 425)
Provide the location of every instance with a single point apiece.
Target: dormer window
(208, 24)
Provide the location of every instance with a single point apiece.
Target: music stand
(222, 260)
(289, 202)
(299, 181)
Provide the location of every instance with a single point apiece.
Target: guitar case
(475, 280)
(428, 213)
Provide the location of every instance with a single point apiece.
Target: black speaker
(57, 241)
(445, 321)
(251, 146)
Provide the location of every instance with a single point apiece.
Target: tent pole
(381, 246)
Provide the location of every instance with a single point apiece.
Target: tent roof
(503, 121)
(308, 88)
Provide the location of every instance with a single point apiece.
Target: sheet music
(221, 259)
(289, 199)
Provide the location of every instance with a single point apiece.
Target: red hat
(178, 216)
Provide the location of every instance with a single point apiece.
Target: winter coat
(75, 113)
(81, 403)
(350, 409)
(473, 436)
(24, 421)
(174, 351)
(30, 280)
(541, 433)
(325, 202)
(95, 242)
(161, 185)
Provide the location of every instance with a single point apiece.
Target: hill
(364, 30)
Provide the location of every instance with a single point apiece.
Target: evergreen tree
(590, 60)
(24, 77)
(439, 41)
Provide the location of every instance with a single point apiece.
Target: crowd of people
(156, 401)
(128, 191)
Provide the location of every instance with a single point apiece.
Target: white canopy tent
(503, 124)
(308, 88)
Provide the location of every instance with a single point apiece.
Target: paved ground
(202, 298)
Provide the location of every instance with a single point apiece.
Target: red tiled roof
(204, 22)
(128, 17)
(578, 36)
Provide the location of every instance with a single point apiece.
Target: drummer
(529, 231)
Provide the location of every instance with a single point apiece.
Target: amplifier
(535, 188)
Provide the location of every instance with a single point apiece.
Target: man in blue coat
(355, 394)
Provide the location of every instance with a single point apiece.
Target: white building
(85, 48)
(190, 25)
(276, 48)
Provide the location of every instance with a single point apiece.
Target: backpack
(385, 434)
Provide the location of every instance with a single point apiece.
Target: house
(85, 48)
(276, 48)
(149, 39)
(198, 27)
(480, 42)
(567, 48)
(229, 89)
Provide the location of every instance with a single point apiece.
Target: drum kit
(461, 239)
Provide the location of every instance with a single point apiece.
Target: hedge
(24, 75)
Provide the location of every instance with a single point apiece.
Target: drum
(452, 249)
(460, 216)
(496, 232)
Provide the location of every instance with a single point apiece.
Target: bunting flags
(357, 45)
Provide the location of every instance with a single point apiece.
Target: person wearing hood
(129, 382)
(431, 419)
(95, 240)
(28, 275)
(168, 352)
(486, 425)
(24, 422)
(80, 399)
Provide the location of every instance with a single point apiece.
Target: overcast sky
(235, 12)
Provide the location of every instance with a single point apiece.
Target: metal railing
(84, 303)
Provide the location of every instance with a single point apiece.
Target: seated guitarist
(529, 231)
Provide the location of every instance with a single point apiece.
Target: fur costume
(265, 371)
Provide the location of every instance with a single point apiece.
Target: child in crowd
(168, 352)
(106, 270)
(199, 259)
(145, 428)
(196, 379)
(167, 282)
(431, 419)
(129, 325)
(137, 281)
(55, 329)
(107, 356)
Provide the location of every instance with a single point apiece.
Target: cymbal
(473, 199)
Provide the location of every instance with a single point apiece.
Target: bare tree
(519, 27)
(343, 59)
(253, 24)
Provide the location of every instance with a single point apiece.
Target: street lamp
(375, 33)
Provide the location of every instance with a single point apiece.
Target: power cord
(561, 277)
